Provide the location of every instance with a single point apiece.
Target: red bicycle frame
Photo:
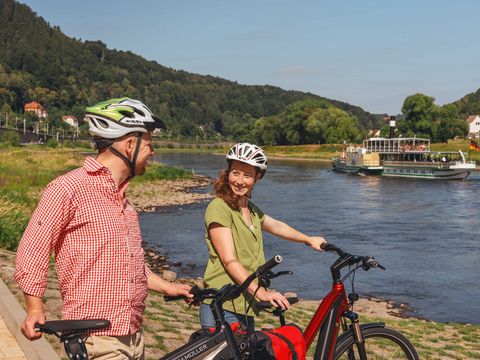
(326, 320)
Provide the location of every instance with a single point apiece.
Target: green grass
(157, 171)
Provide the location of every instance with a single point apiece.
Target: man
(85, 219)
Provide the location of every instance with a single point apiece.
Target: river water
(424, 232)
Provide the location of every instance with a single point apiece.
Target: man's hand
(28, 325)
(180, 290)
(156, 283)
(316, 242)
(35, 313)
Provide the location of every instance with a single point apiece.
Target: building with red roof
(37, 108)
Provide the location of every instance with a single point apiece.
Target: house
(473, 122)
(374, 133)
(37, 108)
(70, 120)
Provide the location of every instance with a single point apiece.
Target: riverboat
(403, 157)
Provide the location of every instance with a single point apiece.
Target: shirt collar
(93, 166)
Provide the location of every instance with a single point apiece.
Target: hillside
(469, 104)
(39, 62)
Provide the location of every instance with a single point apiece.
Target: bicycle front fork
(356, 331)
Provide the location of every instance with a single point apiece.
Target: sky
(372, 54)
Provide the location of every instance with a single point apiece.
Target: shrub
(9, 138)
(52, 143)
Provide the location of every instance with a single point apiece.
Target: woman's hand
(316, 242)
(274, 298)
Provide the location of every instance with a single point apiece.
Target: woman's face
(241, 178)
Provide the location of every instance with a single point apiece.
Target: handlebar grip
(270, 264)
(173, 298)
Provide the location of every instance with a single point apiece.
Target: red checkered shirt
(87, 222)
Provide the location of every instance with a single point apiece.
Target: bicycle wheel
(380, 343)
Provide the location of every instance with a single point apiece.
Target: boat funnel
(392, 127)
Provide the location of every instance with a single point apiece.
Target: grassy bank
(318, 152)
(24, 172)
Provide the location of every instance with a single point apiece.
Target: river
(424, 232)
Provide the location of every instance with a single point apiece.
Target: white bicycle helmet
(114, 118)
(250, 154)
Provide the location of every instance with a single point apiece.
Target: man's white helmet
(250, 154)
(114, 118)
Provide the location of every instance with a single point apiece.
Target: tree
(451, 124)
(420, 116)
(332, 125)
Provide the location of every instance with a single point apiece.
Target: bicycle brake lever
(272, 275)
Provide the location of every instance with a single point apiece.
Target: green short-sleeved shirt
(248, 245)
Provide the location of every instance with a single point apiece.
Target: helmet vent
(103, 123)
(140, 112)
(127, 114)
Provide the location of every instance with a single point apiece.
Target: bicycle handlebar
(229, 292)
(345, 259)
(270, 264)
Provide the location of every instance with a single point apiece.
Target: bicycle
(366, 341)
(223, 342)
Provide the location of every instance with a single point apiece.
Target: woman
(233, 232)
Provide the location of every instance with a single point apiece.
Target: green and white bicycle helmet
(114, 118)
(249, 154)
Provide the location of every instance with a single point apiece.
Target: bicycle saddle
(76, 326)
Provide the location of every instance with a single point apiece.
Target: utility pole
(24, 126)
(6, 120)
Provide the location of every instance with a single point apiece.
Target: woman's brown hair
(223, 191)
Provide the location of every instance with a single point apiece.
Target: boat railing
(420, 164)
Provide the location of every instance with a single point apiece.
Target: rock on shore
(152, 195)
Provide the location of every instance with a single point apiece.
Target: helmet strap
(130, 163)
(135, 154)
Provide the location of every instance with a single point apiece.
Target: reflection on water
(424, 232)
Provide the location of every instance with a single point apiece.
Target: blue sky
(369, 53)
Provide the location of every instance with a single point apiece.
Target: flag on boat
(474, 145)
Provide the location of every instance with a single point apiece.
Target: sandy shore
(153, 195)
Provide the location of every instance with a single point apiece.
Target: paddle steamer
(403, 157)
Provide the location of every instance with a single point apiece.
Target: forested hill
(469, 104)
(39, 62)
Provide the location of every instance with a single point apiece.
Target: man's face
(144, 152)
